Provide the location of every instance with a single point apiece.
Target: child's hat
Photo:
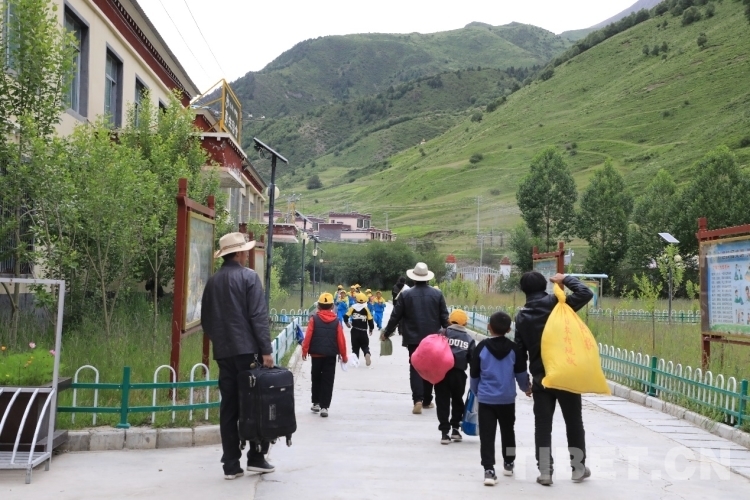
(368, 291)
(325, 298)
(458, 317)
(341, 287)
(361, 298)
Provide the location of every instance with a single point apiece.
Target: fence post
(743, 403)
(652, 376)
(125, 400)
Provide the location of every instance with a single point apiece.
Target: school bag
(470, 422)
(433, 358)
(266, 398)
(570, 353)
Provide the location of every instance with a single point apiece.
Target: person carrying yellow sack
(540, 310)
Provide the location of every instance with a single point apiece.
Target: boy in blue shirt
(496, 366)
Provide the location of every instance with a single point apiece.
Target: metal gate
(485, 277)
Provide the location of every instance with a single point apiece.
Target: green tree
(652, 214)
(646, 50)
(314, 182)
(171, 149)
(36, 57)
(671, 262)
(114, 191)
(718, 190)
(606, 205)
(546, 197)
(522, 243)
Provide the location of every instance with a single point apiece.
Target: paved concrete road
(371, 447)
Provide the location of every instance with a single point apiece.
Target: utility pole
(386, 221)
(479, 199)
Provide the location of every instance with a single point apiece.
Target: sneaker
(233, 471)
(324, 412)
(508, 469)
(544, 479)
(456, 435)
(315, 408)
(367, 359)
(417, 408)
(490, 478)
(446, 439)
(261, 466)
(429, 405)
(580, 476)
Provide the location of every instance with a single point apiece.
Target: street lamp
(672, 241)
(262, 150)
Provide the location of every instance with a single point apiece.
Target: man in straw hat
(235, 318)
(421, 311)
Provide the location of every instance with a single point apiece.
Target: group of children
(375, 303)
(494, 369)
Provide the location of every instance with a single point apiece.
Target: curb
(141, 438)
(727, 432)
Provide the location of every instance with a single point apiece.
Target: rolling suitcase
(266, 404)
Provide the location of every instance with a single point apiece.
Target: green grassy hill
(334, 68)
(644, 112)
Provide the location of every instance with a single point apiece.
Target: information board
(727, 268)
(199, 261)
(548, 268)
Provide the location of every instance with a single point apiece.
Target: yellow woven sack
(569, 352)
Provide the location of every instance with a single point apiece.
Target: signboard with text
(727, 268)
(548, 267)
(231, 112)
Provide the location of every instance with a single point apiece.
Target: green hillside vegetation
(405, 113)
(334, 68)
(645, 112)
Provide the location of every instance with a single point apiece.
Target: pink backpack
(433, 358)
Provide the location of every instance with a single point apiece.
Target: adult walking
(400, 284)
(419, 312)
(235, 318)
(530, 323)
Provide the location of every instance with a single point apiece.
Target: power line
(204, 38)
(183, 39)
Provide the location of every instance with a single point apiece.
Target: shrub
(745, 141)
(491, 107)
(702, 41)
(710, 10)
(646, 50)
(477, 117)
(547, 74)
(421, 152)
(655, 50)
(314, 182)
(510, 146)
(691, 16)
(476, 158)
(664, 47)
(665, 114)
(495, 192)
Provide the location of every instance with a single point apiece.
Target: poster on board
(548, 267)
(594, 287)
(198, 266)
(727, 268)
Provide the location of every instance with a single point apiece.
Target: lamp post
(262, 149)
(303, 235)
(315, 255)
(672, 241)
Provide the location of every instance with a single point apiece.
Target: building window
(77, 96)
(360, 223)
(113, 89)
(140, 90)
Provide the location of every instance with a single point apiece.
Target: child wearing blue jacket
(342, 305)
(496, 366)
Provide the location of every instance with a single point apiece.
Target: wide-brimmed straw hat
(420, 272)
(233, 242)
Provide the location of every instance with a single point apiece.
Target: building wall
(103, 35)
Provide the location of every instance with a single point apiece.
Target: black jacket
(462, 346)
(532, 318)
(421, 311)
(234, 313)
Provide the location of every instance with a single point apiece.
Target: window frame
(116, 116)
(71, 16)
(140, 88)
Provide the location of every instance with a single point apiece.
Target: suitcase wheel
(289, 440)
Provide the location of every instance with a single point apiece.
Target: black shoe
(233, 470)
(508, 469)
(456, 435)
(490, 478)
(263, 467)
(545, 479)
(446, 439)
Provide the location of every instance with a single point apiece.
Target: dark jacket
(396, 290)
(234, 313)
(462, 346)
(421, 311)
(532, 318)
(496, 367)
(324, 336)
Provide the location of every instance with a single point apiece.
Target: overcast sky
(245, 35)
